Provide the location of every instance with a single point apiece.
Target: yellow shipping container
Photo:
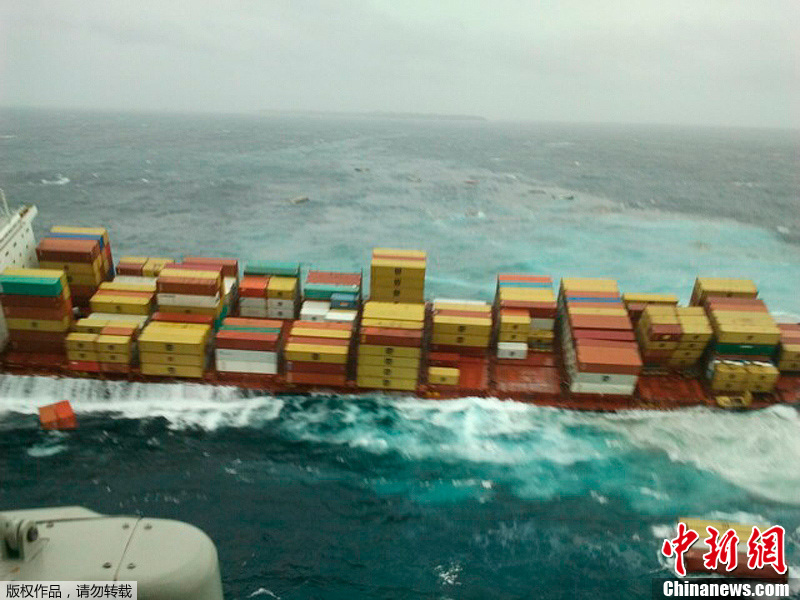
(126, 305)
(383, 252)
(692, 346)
(387, 371)
(645, 298)
(681, 362)
(310, 331)
(90, 355)
(526, 295)
(588, 284)
(389, 361)
(400, 351)
(165, 358)
(40, 324)
(693, 355)
(154, 266)
(479, 309)
(790, 352)
(82, 231)
(145, 286)
(387, 384)
(457, 339)
(172, 370)
(76, 268)
(729, 372)
(209, 311)
(388, 324)
(117, 344)
(284, 288)
(692, 311)
(76, 279)
(443, 375)
(158, 339)
(134, 260)
(513, 336)
(789, 364)
(167, 271)
(112, 357)
(407, 296)
(462, 325)
(715, 286)
(395, 312)
(512, 322)
(80, 341)
(390, 268)
(301, 355)
(543, 335)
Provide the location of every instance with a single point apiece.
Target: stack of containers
(600, 351)
(282, 299)
(789, 350)
(121, 298)
(230, 276)
(746, 336)
(460, 327)
(98, 233)
(673, 337)
(319, 353)
(113, 350)
(175, 349)
(636, 303)
(534, 295)
(331, 296)
(397, 275)
(81, 257)
(391, 345)
(191, 290)
(38, 311)
(142, 266)
(246, 345)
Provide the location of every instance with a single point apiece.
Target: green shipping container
(324, 291)
(745, 349)
(272, 267)
(252, 329)
(31, 286)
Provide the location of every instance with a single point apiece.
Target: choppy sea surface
(390, 496)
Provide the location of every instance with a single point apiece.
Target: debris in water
(299, 200)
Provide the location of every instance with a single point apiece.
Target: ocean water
(389, 496)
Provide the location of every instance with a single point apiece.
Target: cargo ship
(70, 310)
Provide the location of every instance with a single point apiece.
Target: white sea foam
(59, 180)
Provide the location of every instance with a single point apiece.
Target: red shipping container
(51, 314)
(170, 317)
(600, 322)
(582, 294)
(26, 335)
(539, 310)
(514, 277)
(318, 325)
(188, 285)
(334, 278)
(47, 417)
(82, 293)
(316, 378)
(656, 356)
(602, 334)
(581, 304)
(251, 322)
(247, 340)
(33, 359)
(41, 347)
(313, 367)
(443, 359)
(301, 339)
(381, 336)
(132, 269)
(65, 415)
(462, 350)
(35, 301)
(68, 250)
(89, 366)
(253, 287)
(608, 357)
(745, 304)
(230, 266)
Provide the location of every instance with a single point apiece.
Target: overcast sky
(730, 62)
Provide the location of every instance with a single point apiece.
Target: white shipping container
(457, 301)
(341, 316)
(602, 388)
(543, 324)
(314, 310)
(135, 279)
(233, 366)
(512, 350)
(280, 303)
(254, 303)
(255, 313)
(612, 378)
(259, 356)
(277, 313)
(188, 300)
